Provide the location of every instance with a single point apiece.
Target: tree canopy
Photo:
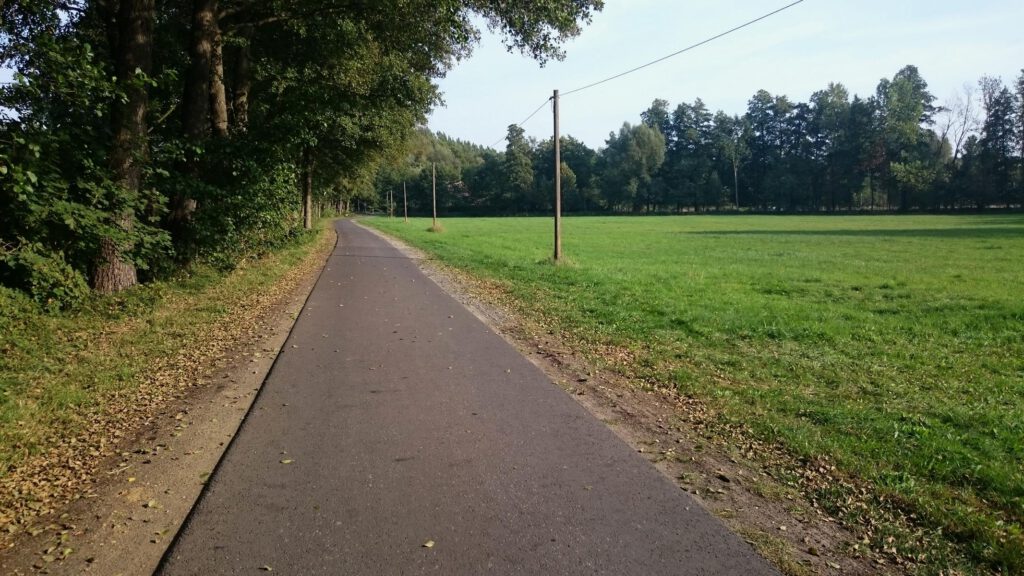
(140, 136)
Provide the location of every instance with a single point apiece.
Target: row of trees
(895, 150)
(138, 135)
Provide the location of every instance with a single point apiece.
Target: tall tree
(691, 156)
(1020, 138)
(767, 116)
(133, 29)
(831, 149)
(630, 161)
(730, 135)
(998, 136)
(201, 101)
(581, 160)
(659, 117)
(518, 170)
(1020, 118)
(867, 145)
(905, 106)
(958, 118)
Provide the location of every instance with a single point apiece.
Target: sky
(795, 53)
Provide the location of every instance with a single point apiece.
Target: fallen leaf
(287, 461)
(428, 544)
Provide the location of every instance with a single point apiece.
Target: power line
(687, 49)
(653, 62)
(525, 120)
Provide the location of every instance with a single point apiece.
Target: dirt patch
(110, 500)
(729, 475)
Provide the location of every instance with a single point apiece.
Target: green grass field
(892, 344)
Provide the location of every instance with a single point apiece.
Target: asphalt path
(398, 434)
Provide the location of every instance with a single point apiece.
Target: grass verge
(886, 348)
(69, 380)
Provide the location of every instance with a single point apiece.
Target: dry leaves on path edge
(43, 485)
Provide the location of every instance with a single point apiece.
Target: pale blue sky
(795, 53)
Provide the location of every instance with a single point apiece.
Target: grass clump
(890, 345)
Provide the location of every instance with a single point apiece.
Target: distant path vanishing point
(398, 434)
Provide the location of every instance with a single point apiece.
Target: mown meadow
(892, 345)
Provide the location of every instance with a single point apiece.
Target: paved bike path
(394, 417)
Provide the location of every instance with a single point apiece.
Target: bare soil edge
(140, 497)
(775, 518)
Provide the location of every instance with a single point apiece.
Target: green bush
(245, 207)
(44, 275)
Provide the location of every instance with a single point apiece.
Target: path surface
(403, 419)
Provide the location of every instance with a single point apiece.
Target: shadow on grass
(563, 263)
(979, 232)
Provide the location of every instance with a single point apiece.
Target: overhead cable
(525, 120)
(687, 49)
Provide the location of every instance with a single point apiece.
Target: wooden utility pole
(736, 180)
(405, 203)
(433, 190)
(558, 185)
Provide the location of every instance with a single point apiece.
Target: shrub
(44, 275)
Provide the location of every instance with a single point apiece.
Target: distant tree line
(896, 150)
(138, 136)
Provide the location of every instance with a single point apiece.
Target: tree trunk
(195, 102)
(218, 99)
(128, 152)
(736, 181)
(831, 195)
(307, 188)
(113, 273)
(242, 83)
(871, 188)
